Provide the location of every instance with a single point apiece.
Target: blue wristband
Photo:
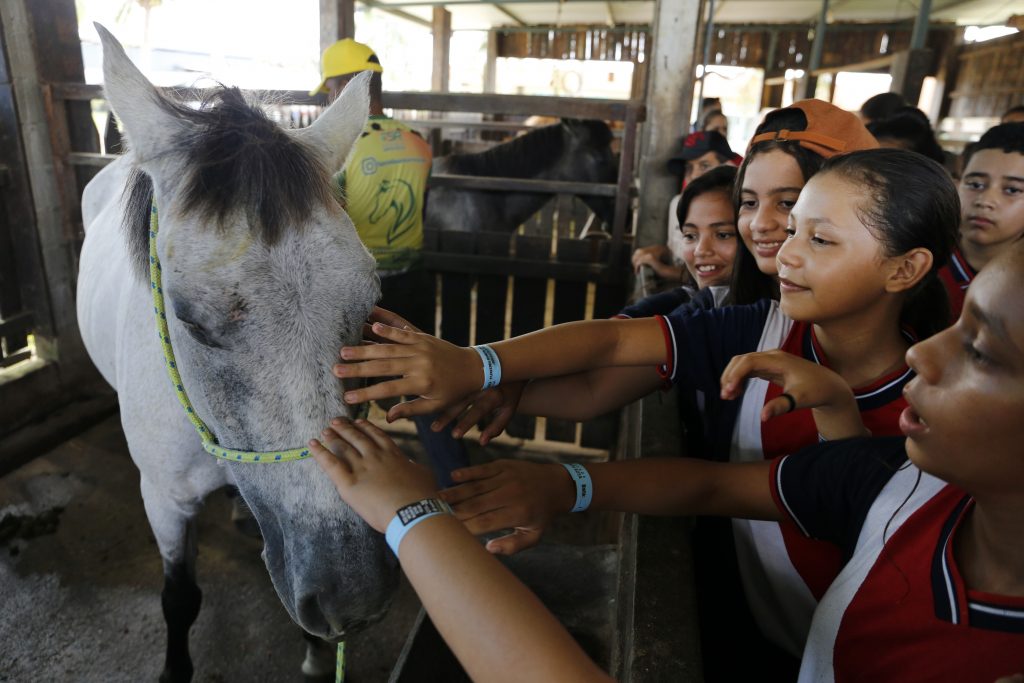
(584, 486)
(492, 365)
(409, 516)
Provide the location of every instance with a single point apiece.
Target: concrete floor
(80, 581)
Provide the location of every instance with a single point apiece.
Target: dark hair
(708, 101)
(710, 115)
(749, 284)
(911, 127)
(914, 205)
(1006, 137)
(882, 105)
(1019, 109)
(718, 179)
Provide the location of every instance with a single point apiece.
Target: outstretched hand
(369, 471)
(496, 405)
(439, 373)
(510, 494)
(807, 384)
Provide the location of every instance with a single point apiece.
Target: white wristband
(584, 485)
(492, 365)
(409, 516)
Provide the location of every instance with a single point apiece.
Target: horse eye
(197, 332)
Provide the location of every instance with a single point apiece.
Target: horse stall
(604, 573)
(620, 583)
(606, 576)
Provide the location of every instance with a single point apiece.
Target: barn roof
(474, 14)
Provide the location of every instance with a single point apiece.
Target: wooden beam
(396, 12)
(505, 10)
(442, 30)
(519, 105)
(52, 225)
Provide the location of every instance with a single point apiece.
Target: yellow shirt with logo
(383, 186)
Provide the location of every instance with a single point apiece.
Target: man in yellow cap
(384, 188)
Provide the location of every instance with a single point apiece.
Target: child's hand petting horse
(804, 385)
(510, 494)
(370, 472)
(491, 409)
(439, 373)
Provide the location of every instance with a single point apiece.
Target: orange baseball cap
(830, 130)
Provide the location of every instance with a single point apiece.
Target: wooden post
(808, 84)
(709, 36)
(769, 66)
(919, 36)
(490, 67)
(669, 100)
(59, 58)
(337, 21)
(55, 234)
(442, 29)
(908, 70)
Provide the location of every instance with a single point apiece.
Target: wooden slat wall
(990, 79)
(847, 43)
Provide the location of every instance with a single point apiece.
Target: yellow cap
(346, 57)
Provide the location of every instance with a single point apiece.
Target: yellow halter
(209, 440)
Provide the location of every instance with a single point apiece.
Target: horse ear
(148, 120)
(334, 133)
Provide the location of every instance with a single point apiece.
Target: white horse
(264, 279)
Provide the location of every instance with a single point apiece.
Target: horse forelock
(234, 158)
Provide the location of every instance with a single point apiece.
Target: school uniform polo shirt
(784, 574)
(899, 610)
(956, 276)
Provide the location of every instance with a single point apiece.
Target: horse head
(264, 279)
(590, 150)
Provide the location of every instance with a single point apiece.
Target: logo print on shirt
(397, 195)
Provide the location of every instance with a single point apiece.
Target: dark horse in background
(573, 150)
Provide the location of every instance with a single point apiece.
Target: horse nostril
(311, 616)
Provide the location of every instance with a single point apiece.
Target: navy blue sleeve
(661, 303)
(828, 488)
(701, 342)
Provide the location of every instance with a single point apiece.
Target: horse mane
(522, 157)
(235, 157)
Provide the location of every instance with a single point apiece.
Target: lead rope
(209, 441)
